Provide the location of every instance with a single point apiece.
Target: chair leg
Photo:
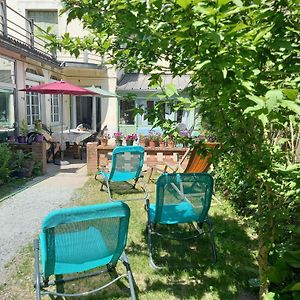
(135, 182)
(212, 240)
(150, 175)
(129, 276)
(37, 275)
(101, 188)
(59, 286)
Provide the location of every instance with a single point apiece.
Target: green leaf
(252, 108)
(262, 34)
(238, 3)
(200, 66)
(290, 93)
(224, 71)
(184, 3)
(273, 98)
(198, 23)
(291, 105)
(274, 94)
(256, 99)
(170, 89)
(222, 2)
(293, 258)
(270, 296)
(264, 119)
(293, 287)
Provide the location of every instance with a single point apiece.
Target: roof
(140, 82)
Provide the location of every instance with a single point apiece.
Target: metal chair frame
(152, 228)
(108, 179)
(41, 282)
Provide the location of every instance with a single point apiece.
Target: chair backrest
(127, 163)
(192, 190)
(81, 238)
(198, 163)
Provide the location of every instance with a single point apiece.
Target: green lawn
(12, 187)
(228, 279)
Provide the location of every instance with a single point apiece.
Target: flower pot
(129, 142)
(21, 139)
(104, 142)
(39, 138)
(152, 144)
(161, 145)
(119, 142)
(171, 144)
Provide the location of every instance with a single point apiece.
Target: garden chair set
(83, 238)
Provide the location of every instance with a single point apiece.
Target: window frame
(53, 105)
(29, 107)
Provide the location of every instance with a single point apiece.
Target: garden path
(21, 215)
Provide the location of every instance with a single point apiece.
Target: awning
(101, 92)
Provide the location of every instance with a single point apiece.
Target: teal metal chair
(181, 198)
(80, 239)
(127, 164)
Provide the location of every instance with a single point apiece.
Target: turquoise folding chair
(181, 198)
(80, 239)
(127, 163)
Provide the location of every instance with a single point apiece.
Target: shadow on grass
(187, 264)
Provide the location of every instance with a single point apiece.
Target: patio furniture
(181, 198)
(79, 239)
(127, 163)
(197, 163)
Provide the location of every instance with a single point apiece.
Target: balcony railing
(22, 31)
(17, 28)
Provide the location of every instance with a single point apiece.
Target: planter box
(99, 156)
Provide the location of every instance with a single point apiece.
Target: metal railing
(17, 28)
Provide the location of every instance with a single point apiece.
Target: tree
(243, 60)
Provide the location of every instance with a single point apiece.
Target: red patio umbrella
(60, 88)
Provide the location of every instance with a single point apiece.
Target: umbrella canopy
(101, 92)
(59, 87)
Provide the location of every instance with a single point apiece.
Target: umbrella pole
(62, 161)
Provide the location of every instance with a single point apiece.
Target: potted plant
(118, 138)
(143, 140)
(161, 141)
(152, 139)
(104, 139)
(22, 164)
(171, 142)
(38, 128)
(23, 129)
(130, 138)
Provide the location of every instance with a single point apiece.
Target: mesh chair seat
(127, 163)
(79, 239)
(181, 198)
(183, 212)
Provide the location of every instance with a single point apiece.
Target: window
(126, 112)
(7, 116)
(44, 19)
(55, 105)
(150, 106)
(33, 106)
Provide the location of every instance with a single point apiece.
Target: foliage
(243, 61)
(19, 159)
(5, 157)
(23, 128)
(38, 125)
(119, 136)
(131, 137)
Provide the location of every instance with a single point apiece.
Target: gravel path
(21, 215)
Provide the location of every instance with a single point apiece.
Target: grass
(228, 279)
(11, 187)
